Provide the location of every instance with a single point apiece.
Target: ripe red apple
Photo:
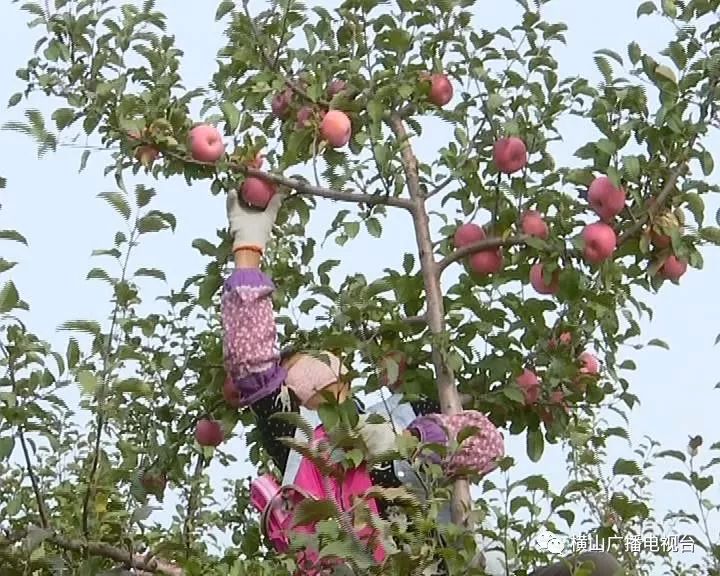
(441, 89)
(660, 240)
(565, 339)
(209, 433)
(486, 262)
(605, 198)
(590, 364)
(600, 242)
(206, 143)
(335, 87)
(336, 128)
(280, 104)
(468, 234)
(230, 393)
(146, 154)
(257, 192)
(510, 155)
(304, 117)
(533, 224)
(537, 281)
(673, 268)
(530, 386)
(392, 377)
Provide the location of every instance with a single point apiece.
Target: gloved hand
(379, 438)
(250, 227)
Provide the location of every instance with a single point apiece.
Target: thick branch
(138, 561)
(435, 311)
(480, 245)
(303, 187)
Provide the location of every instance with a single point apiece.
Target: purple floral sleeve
(250, 347)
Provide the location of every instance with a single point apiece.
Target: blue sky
(57, 210)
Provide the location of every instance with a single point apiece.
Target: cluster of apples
(530, 384)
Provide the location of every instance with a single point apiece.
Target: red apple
(486, 262)
(280, 104)
(441, 89)
(673, 268)
(530, 386)
(230, 393)
(510, 155)
(600, 242)
(468, 234)
(590, 364)
(257, 192)
(209, 433)
(605, 198)
(153, 482)
(392, 377)
(336, 128)
(565, 339)
(532, 224)
(537, 280)
(335, 87)
(304, 117)
(206, 143)
(660, 240)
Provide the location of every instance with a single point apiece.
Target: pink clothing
(277, 505)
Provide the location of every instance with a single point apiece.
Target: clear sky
(57, 210)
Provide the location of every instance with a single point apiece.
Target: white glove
(249, 226)
(379, 438)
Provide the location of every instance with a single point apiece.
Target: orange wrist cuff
(249, 248)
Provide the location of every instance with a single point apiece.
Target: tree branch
(301, 186)
(435, 310)
(138, 561)
(480, 245)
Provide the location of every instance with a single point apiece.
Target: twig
(192, 504)
(305, 187)
(486, 244)
(23, 444)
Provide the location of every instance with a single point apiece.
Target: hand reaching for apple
(250, 227)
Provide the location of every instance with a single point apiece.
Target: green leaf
(351, 229)
(634, 52)
(7, 443)
(626, 468)
(89, 382)
(535, 445)
(84, 326)
(628, 365)
(151, 223)
(143, 196)
(408, 263)
(672, 454)
(204, 247)
(659, 343)
(225, 7)
(13, 235)
(707, 163)
(710, 234)
(151, 273)
(677, 477)
(83, 160)
(614, 55)
(63, 117)
(118, 202)
(374, 227)
(311, 511)
(5, 265)
(232, 116)
(72, 354)
(646, 8)
(669, 8)
(14, 99)
(9, 297)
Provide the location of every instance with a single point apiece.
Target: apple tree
(528, 276)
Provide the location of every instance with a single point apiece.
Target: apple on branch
(529, 384)
(600, 242)
(206, 144)
(533, 224)
(510, 155)
(257, 192)
(606, 199)
(336, 128)
(538, 282)
(673, 268)
(209, 433)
